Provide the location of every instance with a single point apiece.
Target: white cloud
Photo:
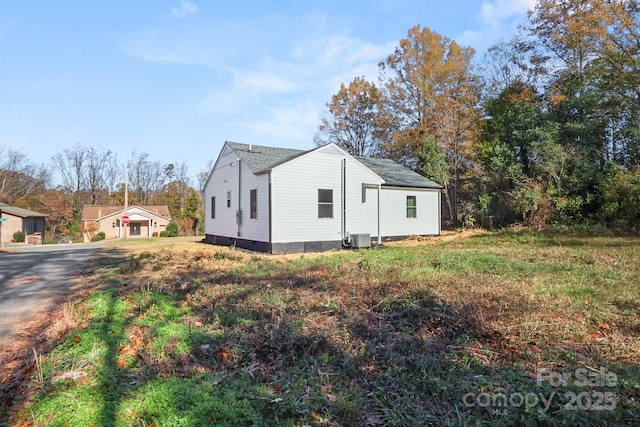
(498, 20)
(261, 81)
(269, 86)
(185, 8)
(296, 121)
(494, 13)
(184, 54)
(311, 67)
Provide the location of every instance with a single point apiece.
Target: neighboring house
(144, 221)
(25, 220)
(282, 200)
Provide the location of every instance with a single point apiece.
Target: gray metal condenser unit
(360, 240)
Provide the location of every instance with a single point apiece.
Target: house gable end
(333, 149)
(99, 213)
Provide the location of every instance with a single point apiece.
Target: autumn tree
(563, 107)
(583, 45)
(430, 89)
(573, 32)
(56, 205)
(620, 80)
(354, 122)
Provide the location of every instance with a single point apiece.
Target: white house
(283, 200)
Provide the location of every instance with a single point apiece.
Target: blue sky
(177, 78)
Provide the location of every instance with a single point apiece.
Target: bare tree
(146, 178)
(203, 176)
(178, 174)
(101, 172)
(70, 163)
(19, 178)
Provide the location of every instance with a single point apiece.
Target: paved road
(31, 277)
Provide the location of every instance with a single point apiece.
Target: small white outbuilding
(280, 200)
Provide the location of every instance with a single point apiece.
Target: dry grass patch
(407, 334)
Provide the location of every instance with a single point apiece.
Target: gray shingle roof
(261, 159)
(23, 213)
(396, 174)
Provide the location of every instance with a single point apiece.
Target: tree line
(544, 129)
(93, 175)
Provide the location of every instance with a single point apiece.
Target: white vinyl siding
(258, 228)
(294, 214)
(294, 189)
(394, 212)
(223, 185)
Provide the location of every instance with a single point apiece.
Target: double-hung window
(412, 209)
(253, 204)
(213, 207)
(325, 203)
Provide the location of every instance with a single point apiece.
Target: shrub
(98, 237)
(164, 233)
(172, 229)
(18, 237)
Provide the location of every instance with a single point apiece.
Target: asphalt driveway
(33, 277)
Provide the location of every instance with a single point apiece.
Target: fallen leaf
(332, 397)
(326, 388)
(533, 348)
(223, 353)
(604, 325)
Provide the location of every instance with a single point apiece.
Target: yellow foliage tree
(432, 91)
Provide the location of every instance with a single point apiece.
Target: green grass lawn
(507, 328)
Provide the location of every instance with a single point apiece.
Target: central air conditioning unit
(360, 240)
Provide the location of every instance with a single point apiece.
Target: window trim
(253, 203)
(324, 204)
(412, 210)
